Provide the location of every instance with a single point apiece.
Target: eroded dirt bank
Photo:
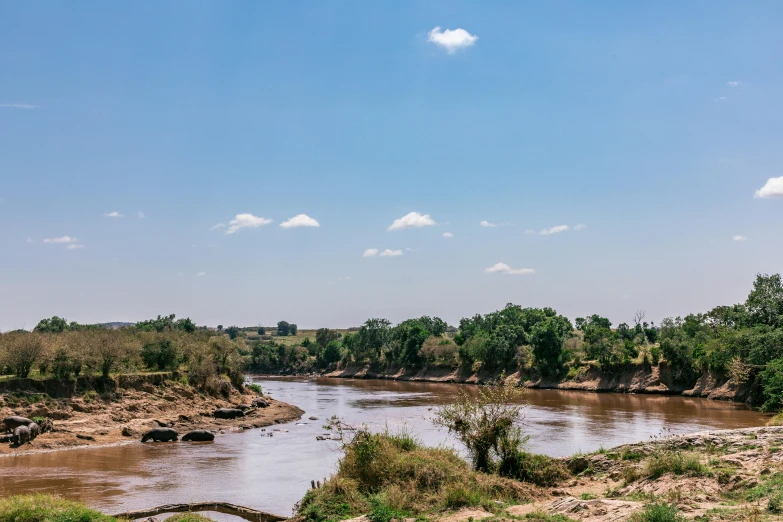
(125, 409)
(653, 380)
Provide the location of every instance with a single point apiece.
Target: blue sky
(650, 124)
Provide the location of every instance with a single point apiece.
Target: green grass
(47, 508)
(540, 516)
(188, 517)
(675, 462)
(658, 512)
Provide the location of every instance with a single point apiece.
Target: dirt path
(124, 415)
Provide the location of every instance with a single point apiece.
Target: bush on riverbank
(47, 508)
(384, 473)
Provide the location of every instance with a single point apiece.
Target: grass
(392, 475)
(188, 517)
(47, 508)
(658, 512)
(675, 462)
(537, 469)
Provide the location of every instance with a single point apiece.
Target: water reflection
(272, 473)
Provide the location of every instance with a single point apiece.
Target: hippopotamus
(35, 430)
(21, 435)
(228, 413)
(160, 435)
(260, 402)
(11, 423)
(198, 436)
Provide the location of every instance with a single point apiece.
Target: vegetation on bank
(47, 508)
(742, 343)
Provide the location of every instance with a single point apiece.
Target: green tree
(261, 330)
(772, 385)
(232, 332)
(332, 353)
(293, 329)
(765, 301)
(373, 335)
(547, 338)
(283, 328)
(323, 336)
(52, 325)
(186, 325)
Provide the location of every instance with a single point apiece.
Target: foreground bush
(658, 512)
(47, 508)
(391, 475)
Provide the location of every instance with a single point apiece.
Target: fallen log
(220, 507)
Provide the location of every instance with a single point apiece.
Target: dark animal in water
(160, 435)
(199, 436)
(21, 435)
(35, 430)
(228, 413)
(11, 423)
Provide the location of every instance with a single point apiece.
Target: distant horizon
(327, 163)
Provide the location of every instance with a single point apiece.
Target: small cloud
(720, 99)
(486, 223)
(580, 226)
(733, 84)
(201, 274)
(140, 214)
(503, 268)
(19, 106)
(114, 214)
(301, 220)
(241, 221)
(30, 240)
(448, 234)
(217, 227)
(452, 39)
(773, 188)
(412, 220)
(370, 252)
(63, 239)
(391, 253)
(74, 246)
(739, 238)
(528, 231)
(554, 230)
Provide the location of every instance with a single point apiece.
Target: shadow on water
(271, 473)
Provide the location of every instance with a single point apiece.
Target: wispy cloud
(580, 226)
(503, 268)
(554, 230)
(19, 106)
(412, 220)
(140, 214)
(773, 188)
(486, 223)
(301, 220)
(370, 252)
(60, 240)
(75, 246)
(739, 238)
(720, 99)
(733, 84)
(241, 221)
(448, 234)
(201, 274)
(30, 240)
(391, 253)
(452, 39)
(114, 214)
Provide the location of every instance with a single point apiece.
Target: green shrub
(530, 467)
(255, 388)
(47, 508)
(188, 517)
(675, 462)
(160, 355)
(655, 354)
(658, 512)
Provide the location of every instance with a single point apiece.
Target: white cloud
(503, 268)
(301, 220)
(74, 246)
(486, 223)
(580, 226)
(30, 240)
(370, 252)
(452, 39)
(201, 274)
(140, 214)
(739, 238)
(18, 106)
(218, 226)
(413, 219)
(733, 84)
(554, 230)
(391, 253)
(448, 234)
(114, 214)
(243, 221)
(773, 188)
(63, 239)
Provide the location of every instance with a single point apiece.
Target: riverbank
(731, 475)
(121, 410)
(641, 379)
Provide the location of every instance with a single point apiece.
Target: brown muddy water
(272, 473)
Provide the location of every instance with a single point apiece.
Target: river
(271, 473)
